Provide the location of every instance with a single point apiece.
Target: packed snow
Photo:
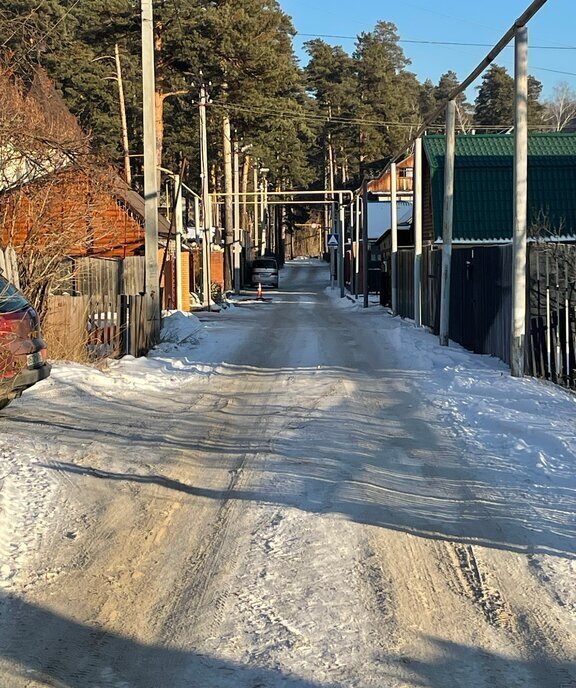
(521, 430)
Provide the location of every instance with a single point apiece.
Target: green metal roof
(483, 198)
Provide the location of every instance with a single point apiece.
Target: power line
(46, 33)
(22, 24)
(458, 44)
(322, 119)
(554, 71)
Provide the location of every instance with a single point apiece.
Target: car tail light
(11, 323)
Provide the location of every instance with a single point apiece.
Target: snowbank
(349, 302)
(179, 327)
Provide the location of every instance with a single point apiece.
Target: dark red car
(23, 356)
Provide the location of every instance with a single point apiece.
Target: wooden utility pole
(150, 172)
(447, 227)
(418, 232)
(206, 202)
(520, 203)
(229, 201)
(394, 232)
(122, 102)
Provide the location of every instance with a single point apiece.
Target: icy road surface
(302, 494)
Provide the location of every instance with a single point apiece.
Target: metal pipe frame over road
(338, 221)
(326, 192)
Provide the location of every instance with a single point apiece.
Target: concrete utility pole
(256, 237)
(353, 219)
(341, 243)
(394, 231)
(150, 173)
(449, 161)
(520, 203)
(178, 228)
(236, 245)
(196, 215)
(333, 251)
(228, 202)
(206, 202)
(357, 251)
(365, 241)
(418, 232)
(263, 211)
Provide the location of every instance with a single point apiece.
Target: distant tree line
(328, 119)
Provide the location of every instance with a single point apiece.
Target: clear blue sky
(482, 21)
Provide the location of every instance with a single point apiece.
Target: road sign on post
(333, 241)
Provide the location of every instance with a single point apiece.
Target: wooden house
(404, 179)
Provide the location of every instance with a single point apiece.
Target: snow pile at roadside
(526, 420)
(179, 327)
(349, 302)
(522, 430)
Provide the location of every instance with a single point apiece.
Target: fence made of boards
(87, 276)
(481, 303)
(84, 328)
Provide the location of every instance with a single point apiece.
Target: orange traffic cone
(259, 291)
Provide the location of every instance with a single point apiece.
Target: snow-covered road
(303, 495)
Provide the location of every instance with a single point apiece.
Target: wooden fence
(84, 328)
(89, 276)
(552, 313)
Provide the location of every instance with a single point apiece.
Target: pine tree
(387, 91)
(427, 99)
(447, 83)
(331, 79)
(495, 101)
(249, 48)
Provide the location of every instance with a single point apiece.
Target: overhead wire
(22, 23)
(46, 33)
(445, 43)
(342, 121)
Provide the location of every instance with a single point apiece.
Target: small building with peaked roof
(484, 182)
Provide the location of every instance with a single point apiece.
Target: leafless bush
(49, 185)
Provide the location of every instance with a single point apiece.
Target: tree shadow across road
(46, 648)
(75, 655)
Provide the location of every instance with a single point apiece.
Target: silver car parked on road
(265, 272)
